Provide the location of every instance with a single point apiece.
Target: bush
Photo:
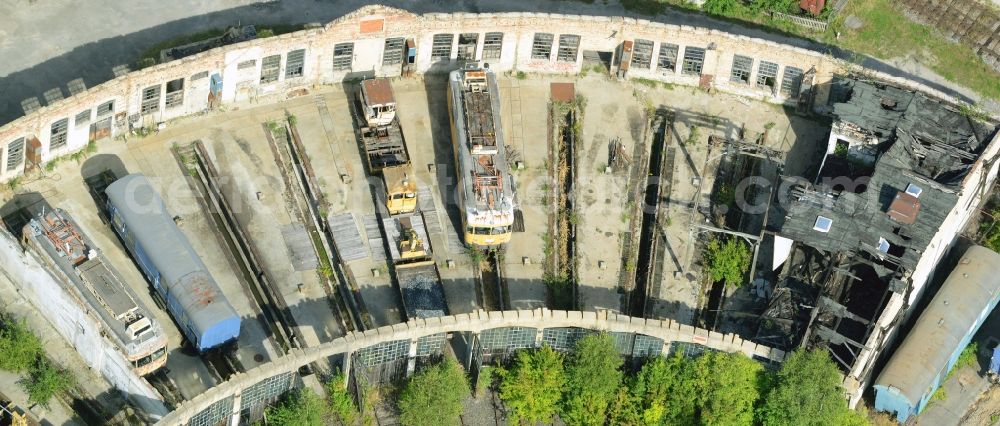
(298, 408)
(532, 389)
(19, 348)
(45, 381)
(727, 261)
(593, 376)
(434, 395)
(341, 403)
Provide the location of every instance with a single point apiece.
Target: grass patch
(521, 75)
(888, 33)
(693, 136)
(966, 359)
(645, 82)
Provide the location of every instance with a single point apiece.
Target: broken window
(82, 118)
(392, 52)
(767, 75)
(694, 59)
(741, 69)
(541, 48)
(642, 53)
(294, 63)
(175, 93)
(667, 60)
(270, 66)
(246, 64)
(441, 48)
(467, 46)
(15, 153)
(343, 56)
(59, 132)
(492, 45)
(150, 99)
(569, 44)
(105, 109)
(199, 76)
(791, 82)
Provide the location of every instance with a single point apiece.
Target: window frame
(541, 46)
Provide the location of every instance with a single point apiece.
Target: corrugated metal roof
(966, 297)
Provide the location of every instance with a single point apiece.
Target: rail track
(651, 232)
(490, 281)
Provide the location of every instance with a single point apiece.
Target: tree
(299, 408)
(19, 348)
(592, 378)
(341, 404)
(807, 391)
(729, 388)
(45, 381)
(533, 388)
(434, 395)
(727, 261)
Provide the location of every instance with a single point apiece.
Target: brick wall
(239, 67)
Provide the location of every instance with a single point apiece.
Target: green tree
(45, 381)
(434, 395)
(727, 260)
(302, 407)
(729, 388)
(341, 404)
(807, 392)
(19, 348)
(592, 378)
(533, 388)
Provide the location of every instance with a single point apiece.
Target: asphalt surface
(46, 43)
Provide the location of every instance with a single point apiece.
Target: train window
(411, 195)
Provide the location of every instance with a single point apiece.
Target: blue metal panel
(889, 399)
(995, 361)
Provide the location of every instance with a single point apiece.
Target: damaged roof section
(924, 150)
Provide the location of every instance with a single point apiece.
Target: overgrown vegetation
(727, 260)
(989, 229)
(715, 388)
(299, 407)
(151, 56)
(434, 395)
(967, 358)
(44, 381)
(693, 136)
(19, 347)
(341, 404)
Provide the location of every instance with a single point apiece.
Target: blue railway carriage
(164, 254)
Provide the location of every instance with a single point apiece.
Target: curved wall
(356, 45)
(668, 331)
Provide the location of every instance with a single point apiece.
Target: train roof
(96, 281)
(378, 91)
(182, 272)
(484, 172)
(949, 321)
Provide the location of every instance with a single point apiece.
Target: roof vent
(823, 224)
(914, 190)
(889, 104)
(883, 245)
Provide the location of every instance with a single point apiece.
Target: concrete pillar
(539, 336)
(411, 358)
(470, 348)
(346, 366)
(234, 419)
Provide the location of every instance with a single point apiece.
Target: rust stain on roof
(378, 91)
(904, 208)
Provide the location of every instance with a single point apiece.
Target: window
(569, 44)
(823, 224)
(392, 53)
(741, 69)
(642, 53)
(294, 63)
(694, 58)
(492, 45)
(247, 64)
(667, 60)
(15, 153)
(343, 56)
(175, 93)
(791, 82)
(467, 46)
(914, 190)
(150, 99)
(269, 68)
(82, 118)
(541, 48)
(441, 47)
(199, 76)
(59, 130)
(105, 109)
(767, 75)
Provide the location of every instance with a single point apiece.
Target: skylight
(823, 224)
(914, 190)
